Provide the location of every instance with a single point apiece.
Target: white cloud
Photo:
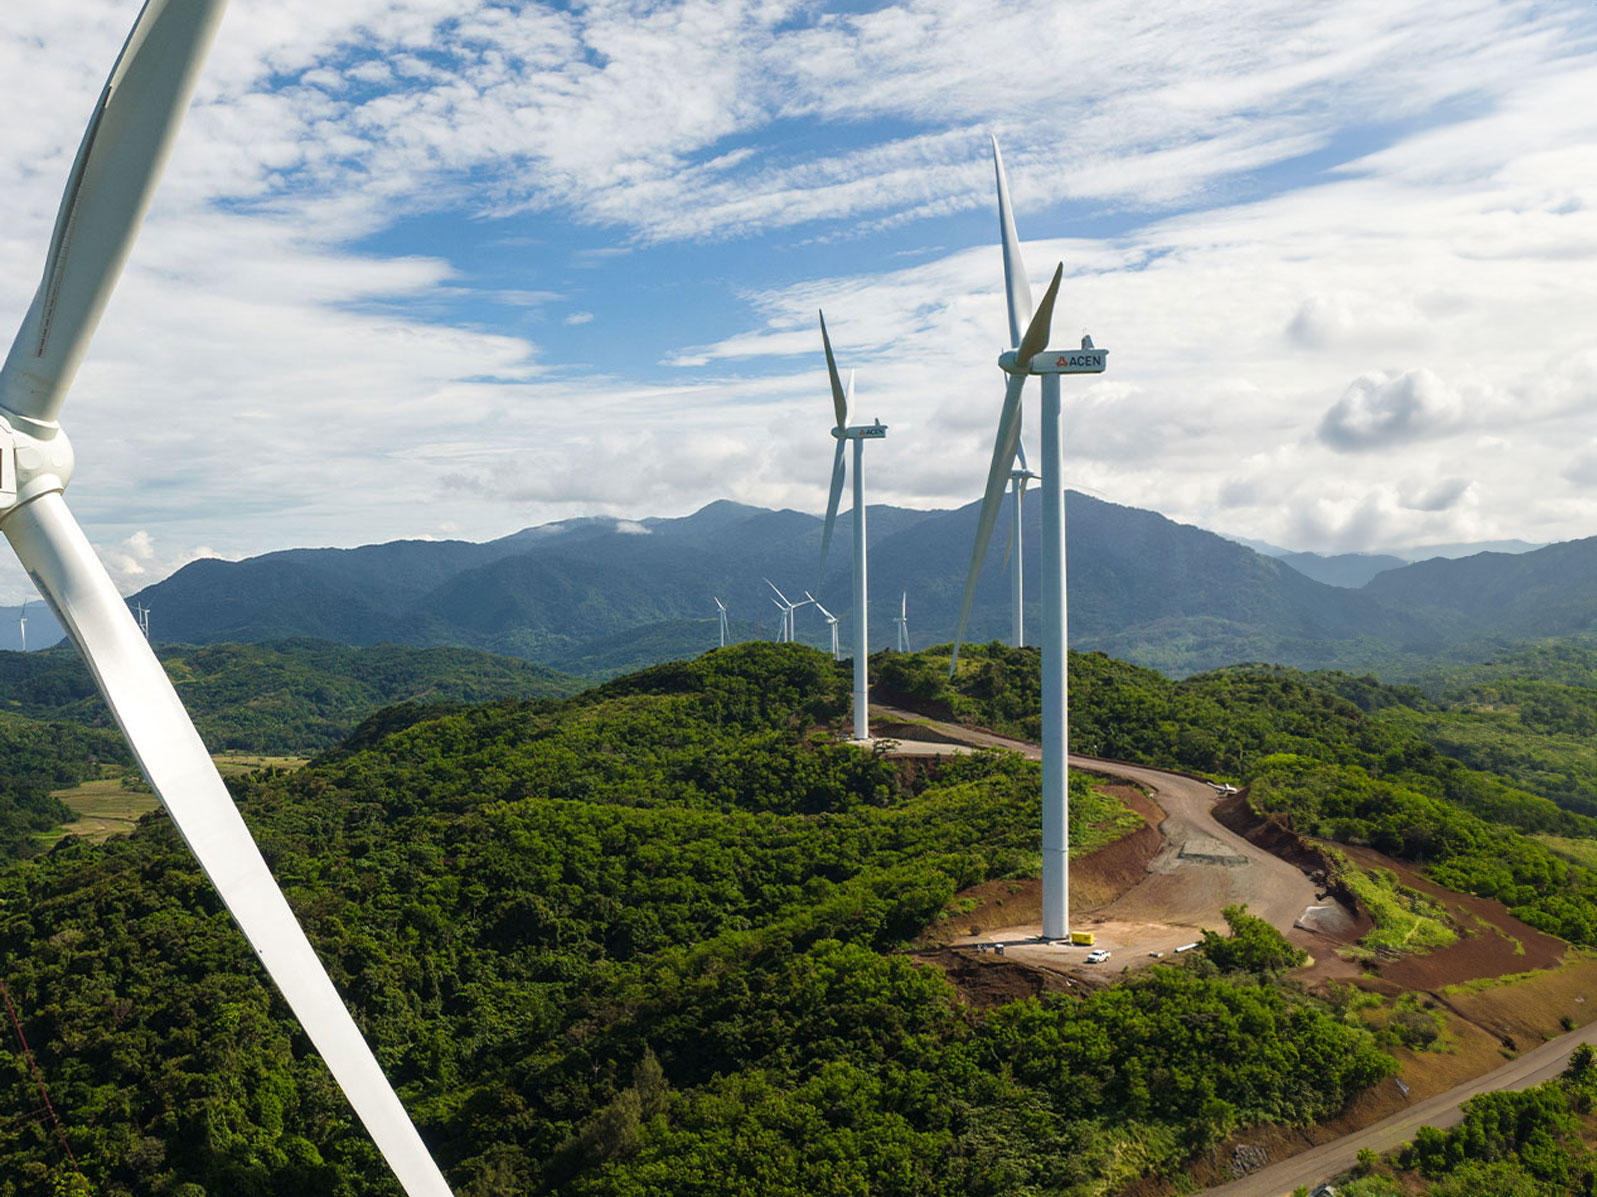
(1381, 410)
(258, 382)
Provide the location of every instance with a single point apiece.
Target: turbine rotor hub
(35, 458)
(1009, 362)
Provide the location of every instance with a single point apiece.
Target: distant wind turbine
(859, 434)
(831, 621)
(22, 624)
(721, 607)
(903, 622)
(1014, 554)
(108, 191)
(789, 626)
(1029, 334)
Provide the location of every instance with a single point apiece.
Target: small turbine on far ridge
(1014, 556)
(831, 621)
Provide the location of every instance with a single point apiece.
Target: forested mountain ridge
(572, 594)
(286, 697)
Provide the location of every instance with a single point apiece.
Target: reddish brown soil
(986, 979)
(1491, 941)
(989, 980)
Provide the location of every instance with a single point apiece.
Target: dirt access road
(1200, 869)
(1318, 1164)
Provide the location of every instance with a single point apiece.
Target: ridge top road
(1201, 868)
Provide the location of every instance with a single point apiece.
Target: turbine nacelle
(862, 432)
(35, 458)
(1089, 359)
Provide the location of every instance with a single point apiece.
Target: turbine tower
(22, 624)
(859, 434)
(1014, 554)
(1029, 335)
(831, 621)
(107, 194)
(721, 607)
(903, 622)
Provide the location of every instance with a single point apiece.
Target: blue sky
(453, 267)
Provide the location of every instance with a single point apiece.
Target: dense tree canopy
(646, 939)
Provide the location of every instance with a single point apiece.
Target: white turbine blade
(1020, 452)
(1016, 289)
(833, 497)
(779, 594)
(56, 554)
(115, 175)
(997, 478)
(839, 396)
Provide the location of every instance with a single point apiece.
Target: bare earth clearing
(1197, 868)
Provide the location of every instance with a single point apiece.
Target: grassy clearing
(1581, 852)
(232, 763)
(1097, 819)
(114, 802)
(1405, 919)
(104, 808)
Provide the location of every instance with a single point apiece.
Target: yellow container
(1081, 938)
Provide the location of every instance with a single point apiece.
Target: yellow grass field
(106, 807)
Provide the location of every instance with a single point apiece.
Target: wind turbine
(113, 178)
(903, 622)
(831, 622)
(721, 607)
(1029, 333)
(859, 434)
(1013, 552)
(22, 624)
(143, 613)
(789, 627)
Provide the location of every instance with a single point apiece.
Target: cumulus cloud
(1380, 410)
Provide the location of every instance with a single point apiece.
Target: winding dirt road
(1317, 1164)
(1200, 869)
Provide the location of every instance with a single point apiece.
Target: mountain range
(598, 596)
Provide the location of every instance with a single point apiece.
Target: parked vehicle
(1097, 957)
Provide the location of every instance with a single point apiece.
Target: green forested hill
(290, 696)
(644, 940)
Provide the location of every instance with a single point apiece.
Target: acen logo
(1063, 361)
